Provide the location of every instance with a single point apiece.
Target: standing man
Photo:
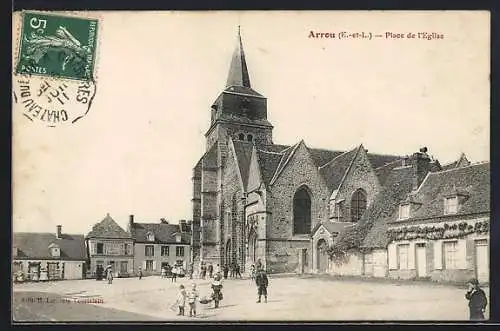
(140, 273)
(225, 270)
(210, 270)
(191, 270)
(477, 300)
(238, 273)
(262, 282)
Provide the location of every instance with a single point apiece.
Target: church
(255, 200)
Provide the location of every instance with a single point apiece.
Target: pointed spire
(238, 72)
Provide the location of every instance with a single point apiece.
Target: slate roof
(332, 227)
(334, 171)
(108, 228)
(384, 171)
(473, 181)
(163, 233)
(268, 162)
(36, 246)
(461, 162)
(243, 152)
(323, 156)
(399, 183)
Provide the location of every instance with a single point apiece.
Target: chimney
(182, 225)
(59, 232)
(130, 223)
(421, 163)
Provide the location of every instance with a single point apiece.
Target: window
(123, 267)
(178, 238)
(450, 254)
(404, 211)
(336, 209)
(249, 137)
(179, 251)
(358, 205)
(149, 265)
(403, 256)
(149, 250)
(301, 212)
(100, 248)
(450, 205)
(241, 136)
(150, 236)
(165, 251)
(125, 249)
(55, 252)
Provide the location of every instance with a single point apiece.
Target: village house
(110, 245)
(441, 231)
(48, 256)
(158, 245)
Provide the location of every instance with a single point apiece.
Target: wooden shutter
(93, 248)
(470, 251)
(144, 265)
(411, 256)
(461, 254)
(392, 256)
(438, 255)
(154, 265)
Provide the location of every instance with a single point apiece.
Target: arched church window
(358, 205)
(301, 212)
(249, 137)
(241, 136)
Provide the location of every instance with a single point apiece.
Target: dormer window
(178, 238)
(15, 251)
(450, 205)
(404, 211)
(241, 136)
(55, 251)
(150, 236)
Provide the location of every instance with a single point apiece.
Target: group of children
(190, 296)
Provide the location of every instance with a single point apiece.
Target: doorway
(322, 256)
(421, 260)
(482, 261)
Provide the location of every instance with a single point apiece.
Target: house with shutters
(160, 244)
(441, 230)
(109, 244)
(48, 256)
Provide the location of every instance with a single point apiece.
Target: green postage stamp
(54, 80)
(57, 46)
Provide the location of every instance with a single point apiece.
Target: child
(181, 300)
(252, 272)
(217, 290)
(192, 296)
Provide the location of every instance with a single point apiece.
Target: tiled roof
(332, 227)
(473, 181)
(108, 228)
(268, 163)
(243, 90)
(163, 233)
(322, 156)
(379, 160)
(384, 171)
(399, 183)
(461, 162)
(243, 152)
(36, 246)
(334, 171)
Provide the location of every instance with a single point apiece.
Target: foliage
(444, 231)
(351, 239)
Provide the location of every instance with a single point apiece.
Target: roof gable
(334, 171)
(108, 228)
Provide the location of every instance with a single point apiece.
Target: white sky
(159, 72)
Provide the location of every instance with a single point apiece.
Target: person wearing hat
(477, 300)
(262, 282)
(217, 290)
